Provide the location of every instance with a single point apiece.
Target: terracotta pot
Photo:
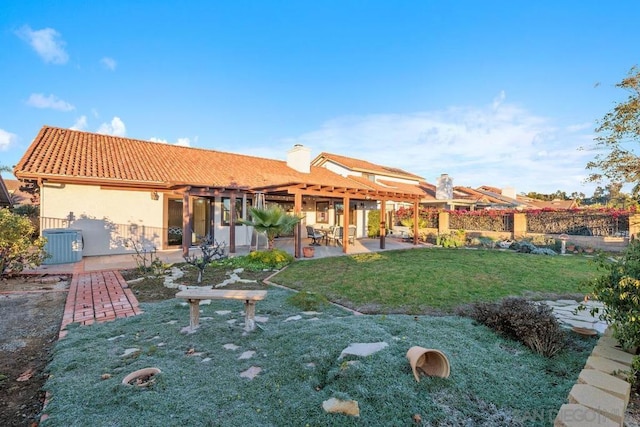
(429, 362)
(141, 373)
(308, 251)
(584, 331)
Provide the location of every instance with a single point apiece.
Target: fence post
(443, 223)
(634, 226)
(519, 225)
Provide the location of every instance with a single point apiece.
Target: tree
(272, 221)
(618, 130)
(17, 249)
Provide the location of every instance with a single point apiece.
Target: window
(322, 212)
(226, 210)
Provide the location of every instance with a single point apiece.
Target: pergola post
(186, 225)
(345, 223)
(416, 220)
(297, 233)
(232, 223)
(383, 218)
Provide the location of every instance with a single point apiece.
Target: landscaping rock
(347, 407)
(363, 349)
(251, 373)
(230, 346)
(247, 355)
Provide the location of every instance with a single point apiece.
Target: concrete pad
(601, 402)
(605, 382)
(607, 366)
(608, 341)
(575, 415)
(613, 354)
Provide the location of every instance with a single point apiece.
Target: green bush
(532, 324)
(455, 239)
(308, 301)
(17, 248)
(619, 290)
(373, 227)
(273, 259)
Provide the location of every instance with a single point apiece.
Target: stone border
(601, 394)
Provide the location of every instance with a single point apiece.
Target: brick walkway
(98, 296)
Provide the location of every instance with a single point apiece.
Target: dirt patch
(32, 308)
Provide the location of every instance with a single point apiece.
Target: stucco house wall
(107, 218)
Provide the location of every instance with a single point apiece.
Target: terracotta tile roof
(19, 197)
(75, 156)
(363, 166)
(548, 204)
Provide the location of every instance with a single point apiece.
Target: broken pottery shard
(251, 373)
(347, 407)
(230, 346)
(363, 349)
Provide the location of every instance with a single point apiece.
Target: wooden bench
(194, 296)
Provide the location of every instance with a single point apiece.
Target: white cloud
(80, 124)
(116, 127)
(579, 127)
(109, 63)
(499, 144)
(184, 142)
(6, 139)
(38, 100)
(46, 42)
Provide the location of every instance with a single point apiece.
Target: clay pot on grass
(308, 251)
(428, 361)
(142, 377)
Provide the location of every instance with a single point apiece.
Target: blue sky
(500, 93)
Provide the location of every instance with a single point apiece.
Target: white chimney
(509, 192)
(299, 158)
(444, 187)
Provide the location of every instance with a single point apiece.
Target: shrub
(210, 250)
(17, 248)
(619, 289)
(455, 239)
(273, 259)
(532, 324)
(308, 301)
(373, 224)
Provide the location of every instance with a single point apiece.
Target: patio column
(345, 223)
(416, 219)
(297, 231)
(383, 218)
(232, 223)
(186, 226)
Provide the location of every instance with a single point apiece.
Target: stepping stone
(607, 366)
(613, 354)
(223, 312)
(598, 400)
(251, 373)
(206, 318)
(161, 344)
(314, 318)
(605, 382)
(206, 359)
(115, 338)
(230, 347)
(171, 322)
(363, 349)
(247, 355)
(311, 313)
(232, 321)
(130, 351)
(575, 415)
(292, 318)
(261, 319)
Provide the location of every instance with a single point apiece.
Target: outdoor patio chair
(314, 235)
(352, 234)
(336, 235)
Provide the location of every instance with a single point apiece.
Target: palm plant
(272, 221)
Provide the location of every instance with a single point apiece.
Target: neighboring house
(548, 204)
(117, 189)
(5, 196)
(18, 196)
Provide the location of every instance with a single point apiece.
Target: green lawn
(420, 280)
